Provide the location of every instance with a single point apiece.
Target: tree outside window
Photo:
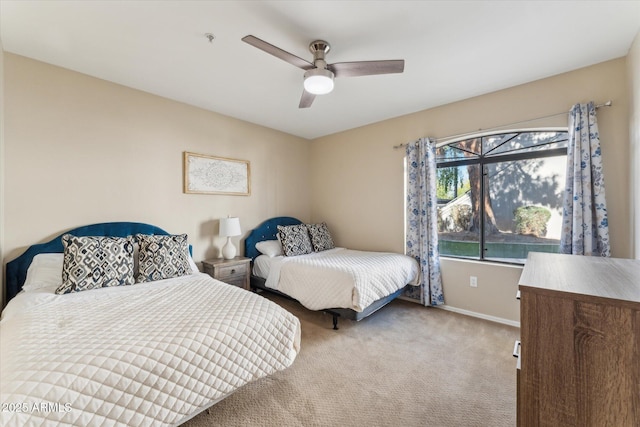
(500, 195)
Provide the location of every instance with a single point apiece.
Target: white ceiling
(452, 50)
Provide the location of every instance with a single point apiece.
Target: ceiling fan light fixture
(318, 81)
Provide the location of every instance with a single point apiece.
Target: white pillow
(193, 265)
(45, 271)
(270, 248)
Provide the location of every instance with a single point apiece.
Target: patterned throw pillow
(162, 257)
(320, 237)
(295, 240)
(96, 262)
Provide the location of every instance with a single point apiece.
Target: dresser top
(612, 278)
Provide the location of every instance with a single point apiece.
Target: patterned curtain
(422, 221)
(585, 228)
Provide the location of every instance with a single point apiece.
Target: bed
(154, 353)
(344, 283)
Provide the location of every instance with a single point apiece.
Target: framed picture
(216, 175)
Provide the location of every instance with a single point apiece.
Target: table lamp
(229, 227)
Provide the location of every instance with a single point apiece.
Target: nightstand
(235, 271)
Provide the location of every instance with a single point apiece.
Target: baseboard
(469, 313)
(480, 315)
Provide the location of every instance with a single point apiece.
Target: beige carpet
(406, 365)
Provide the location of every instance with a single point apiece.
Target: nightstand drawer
(232, 272)
(240, 282)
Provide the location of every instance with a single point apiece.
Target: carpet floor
(405, 365)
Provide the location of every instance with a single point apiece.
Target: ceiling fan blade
(278, 53)
(366, 68)
(306, 100)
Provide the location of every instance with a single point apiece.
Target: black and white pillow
(162, 257)
(320, 237)
(92, 262)
(295, 240)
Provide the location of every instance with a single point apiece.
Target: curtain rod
(606, 104)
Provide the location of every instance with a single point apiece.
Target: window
(500, 195)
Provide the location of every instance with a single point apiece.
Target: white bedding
(262, 265)
(339, 278)
(149, 354)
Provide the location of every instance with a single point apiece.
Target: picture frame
(205, 174)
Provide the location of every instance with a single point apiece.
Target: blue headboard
(265, 231)
(17, 269)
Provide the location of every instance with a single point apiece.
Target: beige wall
(633, 72)
(82, 150)
(357, 177)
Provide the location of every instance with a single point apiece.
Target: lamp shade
(230, 227)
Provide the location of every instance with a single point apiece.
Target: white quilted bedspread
(342, 278)
(149, 354)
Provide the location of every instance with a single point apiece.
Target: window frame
(482, 161)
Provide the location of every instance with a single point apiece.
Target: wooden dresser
(580, 342)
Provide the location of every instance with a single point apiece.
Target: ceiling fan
(318, 78)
